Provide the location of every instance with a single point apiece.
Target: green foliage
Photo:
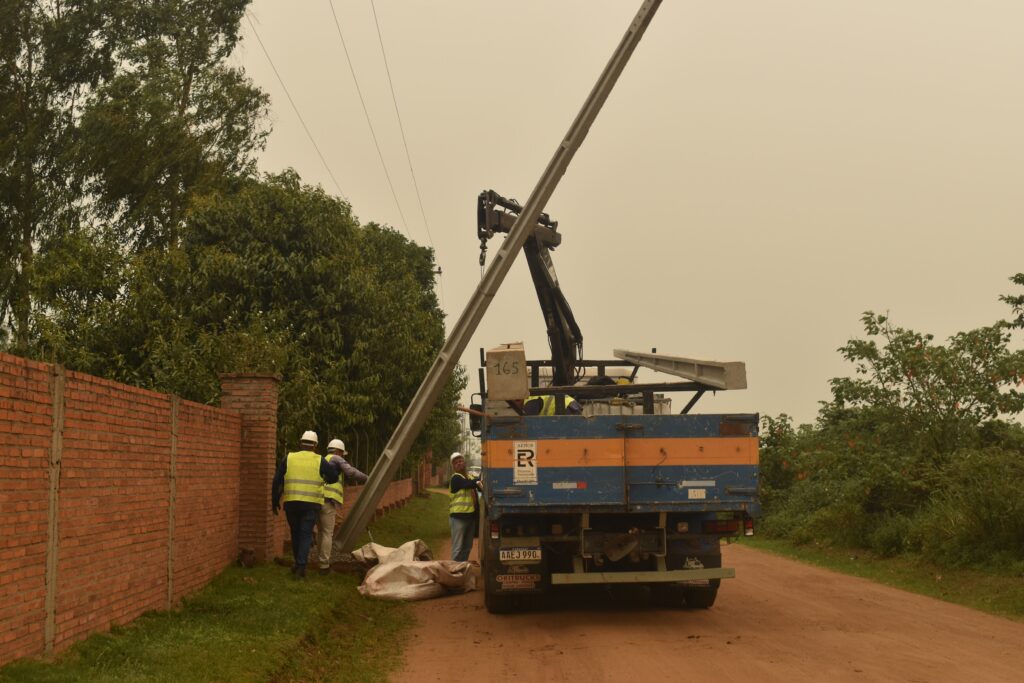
(912, 455)
(977, 510)
(271, 276)
(143, 248)
(916, 393)
(1016, 301)
(114, 114)
(52, 54)
(174, 122)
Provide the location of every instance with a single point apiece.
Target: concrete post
(254, 397)
(57, 381)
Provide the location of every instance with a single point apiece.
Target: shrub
(976, 516)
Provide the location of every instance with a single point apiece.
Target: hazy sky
(762, 174)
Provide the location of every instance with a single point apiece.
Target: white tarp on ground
(409, 572)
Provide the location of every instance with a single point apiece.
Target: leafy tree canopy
(274, 276)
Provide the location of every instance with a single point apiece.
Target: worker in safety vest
(463, 508)
(547, 404)
(334, 498)
(299, 484)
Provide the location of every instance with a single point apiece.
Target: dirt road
(777, 621)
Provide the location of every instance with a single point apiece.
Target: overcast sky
(763, 173)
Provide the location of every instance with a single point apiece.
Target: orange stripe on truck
(639, 452)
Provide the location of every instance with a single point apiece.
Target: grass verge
(258, 625)
(996, 593)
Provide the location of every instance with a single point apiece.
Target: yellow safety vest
(549, 406)
(335, 491)
(302, 480)
(463, 500)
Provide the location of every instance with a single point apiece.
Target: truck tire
(700, 597)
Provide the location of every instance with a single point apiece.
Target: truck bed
(621, 463)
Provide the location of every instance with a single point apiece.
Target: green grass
(258, 625)
(989, 591)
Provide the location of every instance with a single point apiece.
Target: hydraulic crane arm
(494, 214)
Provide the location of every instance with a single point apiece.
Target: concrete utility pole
(426, 396)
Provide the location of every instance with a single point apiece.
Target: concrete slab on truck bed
(715, 374)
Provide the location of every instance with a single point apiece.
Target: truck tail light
(494, 531)
(556, 529)
(721, 526)
(682, 527)
(748, 527)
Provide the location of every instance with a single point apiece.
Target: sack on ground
(408, 573)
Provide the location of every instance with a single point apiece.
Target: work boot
(301, 574)
(324, 571)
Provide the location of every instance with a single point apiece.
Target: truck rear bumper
(644, 577)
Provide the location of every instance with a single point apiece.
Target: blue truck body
(614, 499)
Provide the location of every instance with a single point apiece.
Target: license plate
(519, 554)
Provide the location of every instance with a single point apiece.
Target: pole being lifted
(426, 396)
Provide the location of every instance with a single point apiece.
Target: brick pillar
(254, 397)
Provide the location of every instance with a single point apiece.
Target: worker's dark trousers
(301, 518)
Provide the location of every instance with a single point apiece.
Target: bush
(976, 516)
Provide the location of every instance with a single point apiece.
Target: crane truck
(625, 492)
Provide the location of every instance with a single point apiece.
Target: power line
(295, 107)
(366, 111)
(401, 127)
(405, 144)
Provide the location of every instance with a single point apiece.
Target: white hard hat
(454, 455)
(337, 444)
(309, 436)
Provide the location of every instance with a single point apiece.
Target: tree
(910, 388)
(1016, 301)
(114, 116)
(174, 122)
(272, 275)
(53, 55)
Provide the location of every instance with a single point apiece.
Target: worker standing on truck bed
(463, 508)
(299, 484)
(546, 405)
(334, 498)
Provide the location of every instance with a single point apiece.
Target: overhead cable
(366, 111)
(401, 127)
(405, 144)
(295, 108)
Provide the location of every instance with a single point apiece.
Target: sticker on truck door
(524, 463)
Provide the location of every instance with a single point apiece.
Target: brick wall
(254, 397)
(26, 418)
(113, 501)
(206, 519)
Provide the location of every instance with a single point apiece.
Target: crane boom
(423, 401)
(497, 214)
